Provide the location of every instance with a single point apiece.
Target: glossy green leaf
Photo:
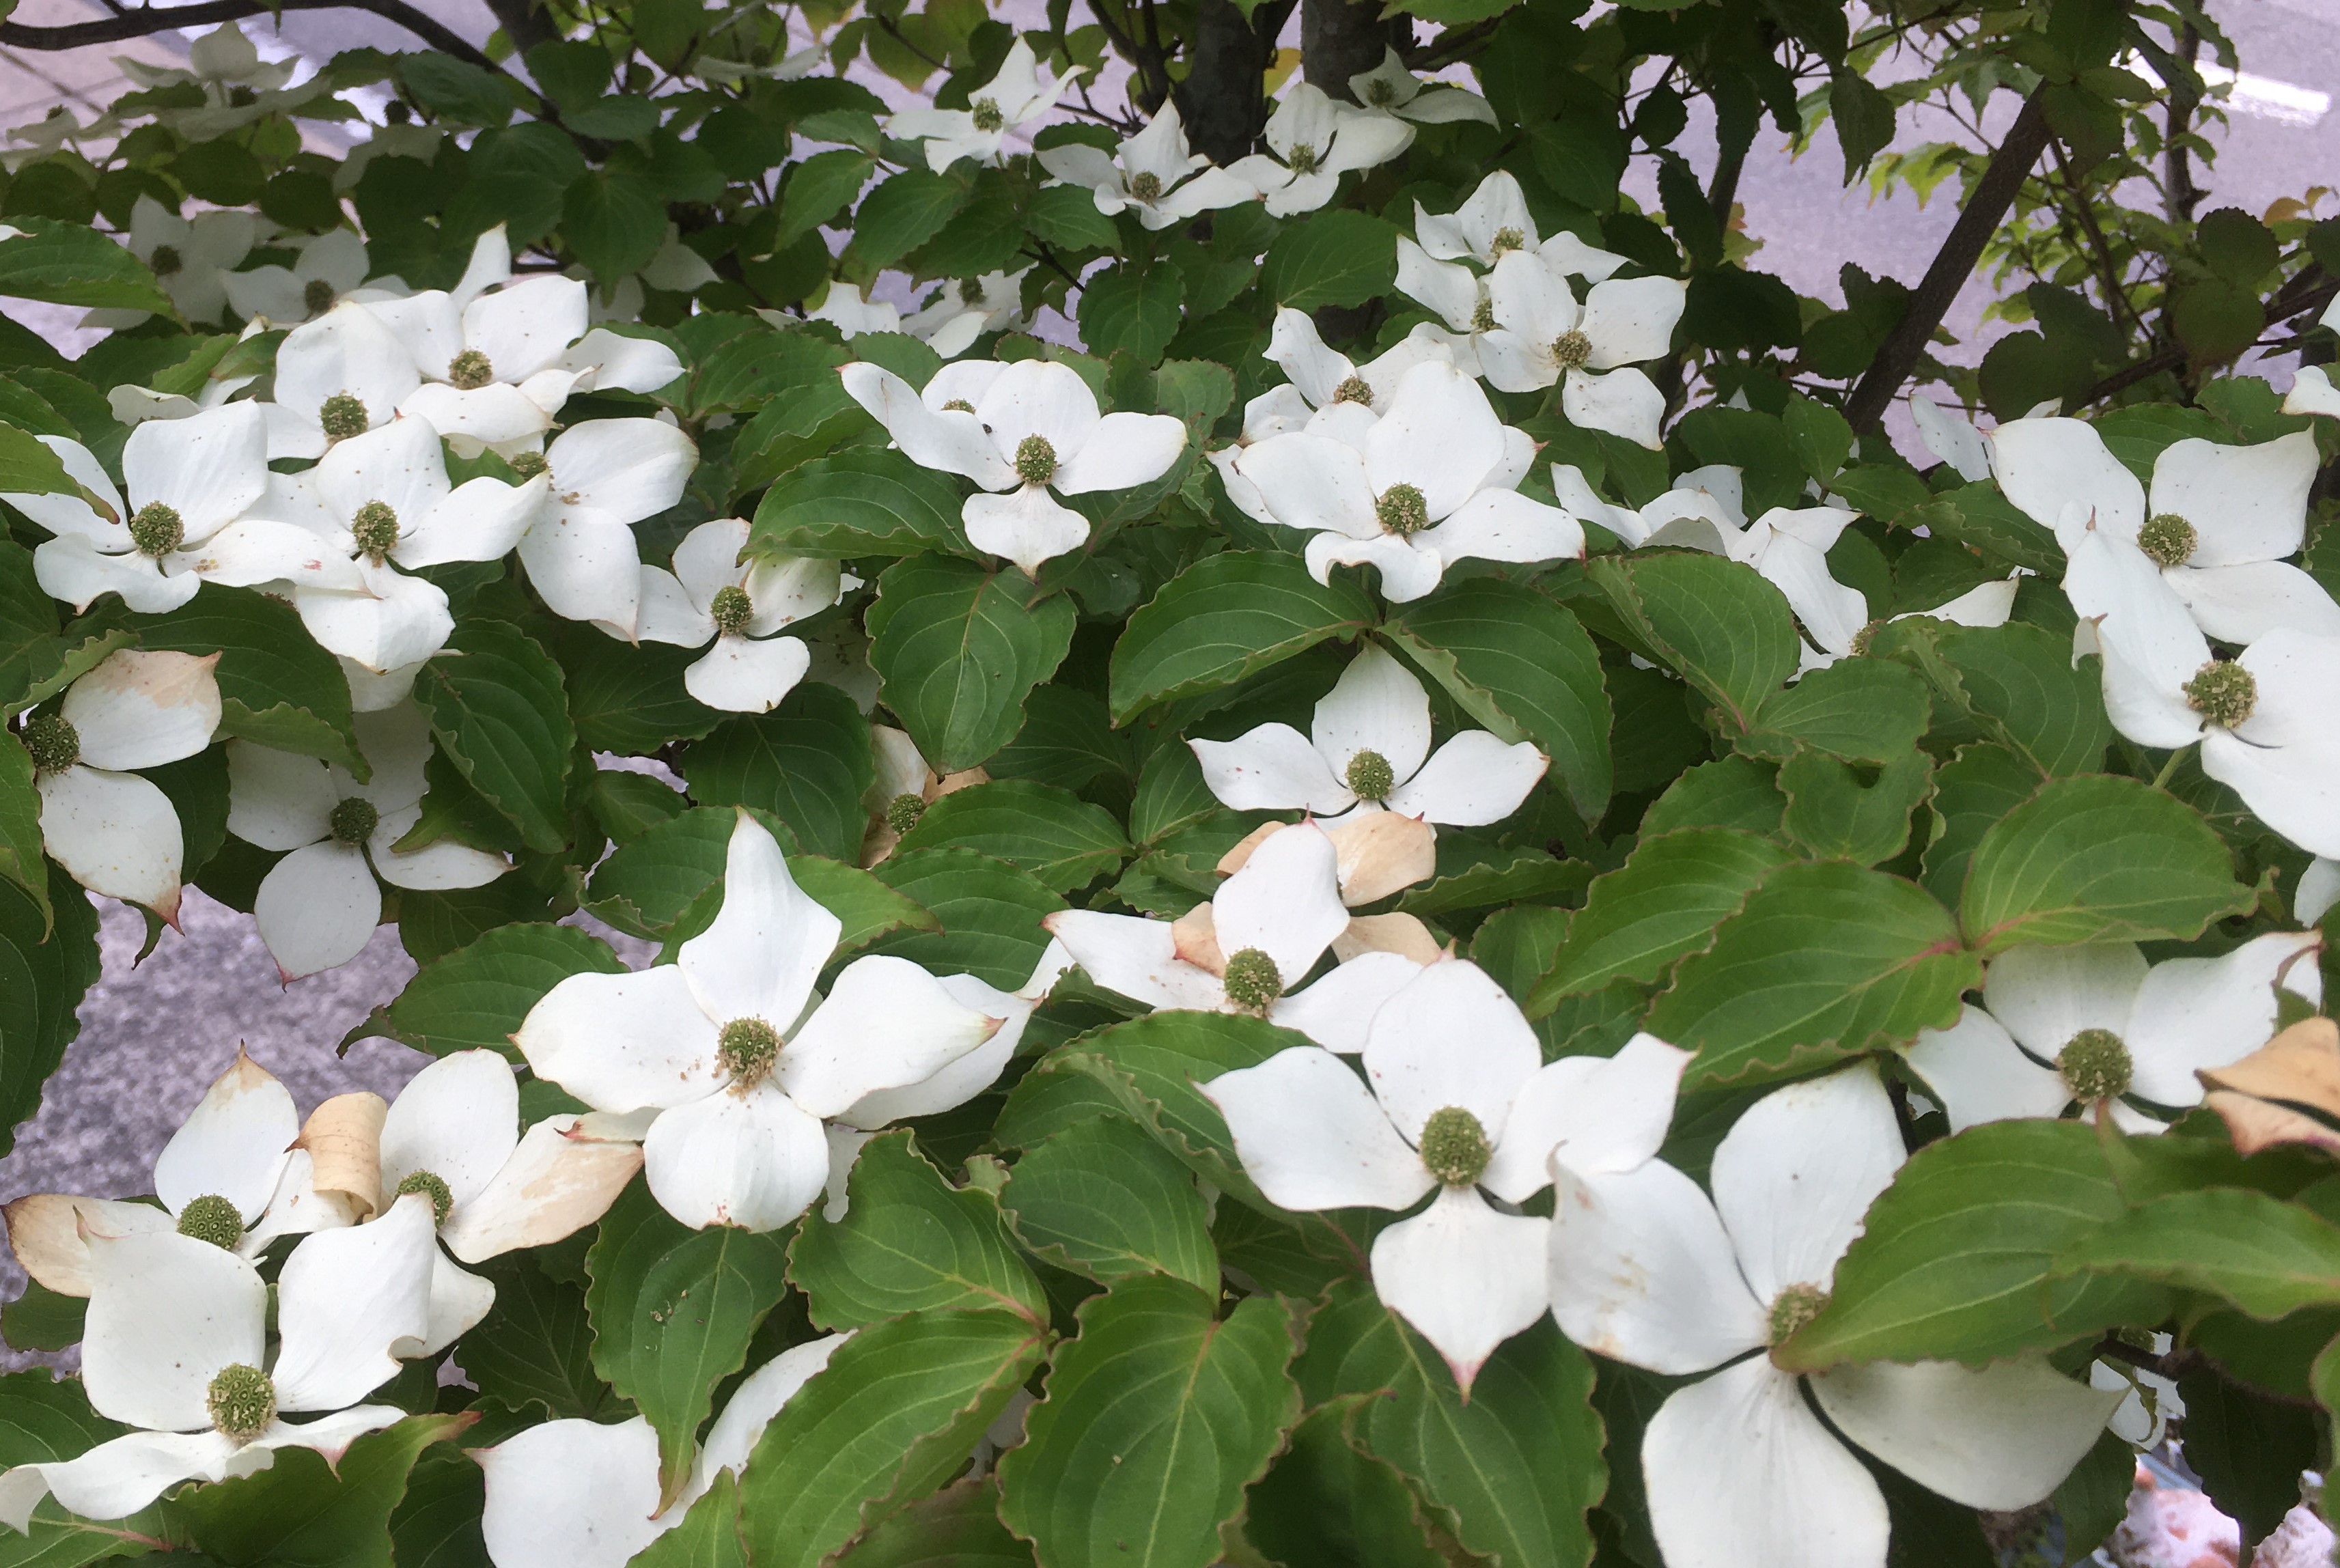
(475, 997)
(1064, 842)
(959, 648)
(1853, 811)
(70, 263)
(2019, 684)
(1103, 1198)
(989, 911)
(535, 1347)
(858, 503)
(1126, 308)
(2269, 1258)
(1338, 256)
(1860, 710)
(1227, 617)
(301, 1513)
(1665, 902)
(500, 709)
(1719, 625)
(808, 762)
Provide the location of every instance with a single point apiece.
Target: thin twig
(148, 19)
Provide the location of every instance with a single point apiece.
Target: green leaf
(665, 883)
(304, 1513)
(1226, 617)
(959, 646)
(1819, 436)
(1979, 516)
(1849, 810)
(1065, 216)
(1954, 1258)
(1971, 792)
(902, 213)
(626, 804)
(1863, 115)
(475, 997)
(957, 1527)
(2098, 859)
(615, 221)
(709, 1535)
(27, 467)
(1339, 256)
(1124, 307)
(1512, 1474)
(1064, 842)
(42, 1319)
(2268, 1258)
(2018, 683)
(1518, 874)
(498, 708)
(535, 1347)
(1155, 1420)
(673, 1310)
(1104, 1199)
(1328, 1502)
(21, 845)
(893, 1414)
(1718, 624)
(909, 1241)
(45, 968)
(989, 914)
(629, 700)
(856, 503)
(456, 88)
(1861, 709)
(1823, 962)
(1664, 903)
(43, 1419)
(73, 264)
(1728, 792)
(808, 762)
(1523, 666)
(277, 687)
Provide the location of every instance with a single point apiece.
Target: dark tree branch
(1340, 39)
(2179, 195)
(148, 20)
(1222, 99)
(523, 22)
(2310, 290)
(1953, 265)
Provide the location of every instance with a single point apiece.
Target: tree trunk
(1223, 99)
(1340, 39)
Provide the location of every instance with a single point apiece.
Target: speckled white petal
(317, 907)
(142, 709)
(115, 834)
(622, 1042)
(755, 1160)
(1311, 1135)
(166, 1312)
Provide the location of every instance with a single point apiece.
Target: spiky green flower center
(317, 296)
(731, 609)
(374, 527)
(1482, 315)
(903, 811)
(1790, 1310)
(959, 405)
(165, 260)
(1380, 92)
(1036, 460)
(343, 415)
(353, 820)
(212, 1218)
(1570, 350)
(1371, 777)
(970, 291)
(2096, 1065)
(2223, 692)
(1145, 185)
(1506, 240)
(527, 464)
(1455, 1147)
(1402, 511)
(1356, 390)
(748, 1048)
(53, 741)
(432, 1185)
(470, 370)
(241, 1402)
(2168, 539)
(1303, 159)
(157, 530)
(1252, 980)
(987, 116)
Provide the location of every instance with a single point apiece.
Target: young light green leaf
(1107, 1200)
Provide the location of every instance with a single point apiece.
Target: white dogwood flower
(576, 1493)
(176, 1348)
(1315, 140)
(1454, 1097)
(337, 376)
(964, 311)
(1494, 222)
(1369, 750)
(218, 62)
(1012, 99)
(115, 833)
(730, 1051)
(489, 351)
(1028, 430)
(905, 786)
(714, 595)
(1951, 437)
(607, 474)
(1543, 335)
(1647, 1270)
(1429, 484)
(318, 905)
(2096, 1023)
(230, 1176)
(1152, 173)
(850, 311)
(2218, 522)
(1392, 89)
(190, 257)
(329, 268)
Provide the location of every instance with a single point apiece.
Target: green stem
(2161, 780)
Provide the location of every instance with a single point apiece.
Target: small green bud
(212, 1218)
(903, 811)
(241, 1402)
(1455, 1147)
(1253, 981)
(430, 1183)
(1356, 390)
(343, 416)
(1402, 511)
(374, 527)
(1507, 239)
(1570, 350)
(317, 296)
(527, 464)
(987, 116)
(165, 261)
(2168, 539)
(53, 741)
(748, 1048)
(157, 530)
(1371, 777)
(353, 820)
(1036, 460)
(2095, 1065)
(470, 370)
(1790, 1310)
(1303, 159)
(2223, 692)
(731, 609)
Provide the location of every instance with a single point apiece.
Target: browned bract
(344, 1137)
(1380, 853)
(2260, 1097)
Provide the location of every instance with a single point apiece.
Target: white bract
(1020, 431)
(1455, 1097)
(1315, 140)
(2096, 1023)
(1392, 89)
(1011, 100)
(115, 833)
(606, 475)
(318, 905)
(190, 258)
(1494, 222)
(905, 786)
(1427, 484)
(585, 1493)
(489, 351)
(230, 1176)
(329, 267)
(1152, 173)
(2218, 522)
(713, 595)
(1543, 335)
(176, 1344)
(732, 1052)
(1369, 750)
(337, 376)
(964, 311)
(1647, 1270)
(850, 312)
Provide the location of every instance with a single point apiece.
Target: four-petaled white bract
(718, 594)
(732, 1058)
(1313, 140)
(1013, 98)
(1646, 1268)
(1152, 173)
